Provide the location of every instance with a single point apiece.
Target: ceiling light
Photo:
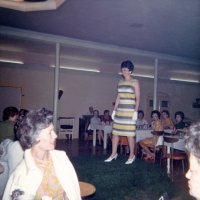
(12, 61)
(143, 75)
(140, 75)
(79, 69)
(31, 5)
(184, 80)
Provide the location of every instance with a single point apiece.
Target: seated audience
(10, 115)
(179, 117)
(141, 122)
(166, 120)
(156, 126)
(95, 120)
(193, 148)
(44, 171)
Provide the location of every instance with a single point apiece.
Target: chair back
(66, 126)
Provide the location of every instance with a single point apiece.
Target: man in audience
(10, 115)
(193, 147)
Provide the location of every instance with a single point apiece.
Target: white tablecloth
(106, 129)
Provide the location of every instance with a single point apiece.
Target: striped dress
(123, 124)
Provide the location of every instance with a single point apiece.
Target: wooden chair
(66, 127)
(123, 143)
(178, 155)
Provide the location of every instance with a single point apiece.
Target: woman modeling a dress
(125, 111)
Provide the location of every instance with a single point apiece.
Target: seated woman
(141, 122)
(95, 120)
(180, 126)
(44, 171)
(151, 141)
(179, 117)
(166, 120)
(107, 120)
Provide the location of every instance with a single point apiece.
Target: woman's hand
(113, 115)
(135, 115)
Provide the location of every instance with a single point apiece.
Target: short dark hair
(9, 112)
(127, 64)
(31, 126)
(166, 111)
(179, 113)
(106, 111)
(155, 112)
(192, 143)
(141, 111)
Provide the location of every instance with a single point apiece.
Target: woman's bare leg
(146, 149)
(131, 142)
(115, 141)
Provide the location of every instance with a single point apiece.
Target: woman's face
(140, 115)
(164, 115)
(178, 118)
(154, 117)
(47, 139)
(125, 72)
(96, 113)
(193, 176)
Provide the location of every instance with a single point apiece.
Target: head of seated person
(193, 148)
(179, 117)
(141, 122)
(106, 118)
(156, 122)
(166, 120)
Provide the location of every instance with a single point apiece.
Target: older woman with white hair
(44, 173)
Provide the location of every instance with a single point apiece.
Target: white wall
(82, 90)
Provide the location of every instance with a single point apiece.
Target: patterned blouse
(50, 186)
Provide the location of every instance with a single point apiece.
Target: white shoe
(130, 161)
(111, 158)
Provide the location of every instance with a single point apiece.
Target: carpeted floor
(117, 181)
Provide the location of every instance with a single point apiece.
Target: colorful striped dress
(123, 124)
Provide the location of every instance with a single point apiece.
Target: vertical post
(155, 84)
(56, 81)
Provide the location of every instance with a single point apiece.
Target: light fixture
(12, 61)
(60, 93)
(140, 75)
(31, 5)
(184, 80)
(78, 69)
(144, 75)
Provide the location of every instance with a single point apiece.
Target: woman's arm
(137, 95)
(116, 102)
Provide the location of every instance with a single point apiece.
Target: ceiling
(102, 33)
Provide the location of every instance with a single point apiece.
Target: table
(140, 135)
(95, 127)
(86, 189)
